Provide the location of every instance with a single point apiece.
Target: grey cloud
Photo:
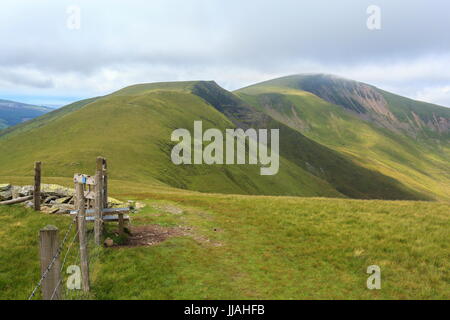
(24, 78)
(147, 41)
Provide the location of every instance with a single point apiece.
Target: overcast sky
(46, 59)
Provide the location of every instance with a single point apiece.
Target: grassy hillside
(241, 237)
(344, 175)
(46, 118)
(3, 125)
(252, 247)
(132, 128)
(419, 163)
(432, 121)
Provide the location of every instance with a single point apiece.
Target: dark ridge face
(241, 114)
(344, 175)
(351, 95)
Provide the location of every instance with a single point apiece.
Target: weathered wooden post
(37, 186)
(49, 243)
(81, 219)
(98, 207)
(105, 183)
(121, 224)
(89, 201)
(77, 226)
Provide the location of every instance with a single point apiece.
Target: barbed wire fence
(85, 255)
(94, 255)
(53, 260)
(69, 246)
(71, 251)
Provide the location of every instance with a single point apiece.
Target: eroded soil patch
(150, 235)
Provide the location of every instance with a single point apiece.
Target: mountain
(12, 113)
(132, 128)
(396, 113)
(401, 138)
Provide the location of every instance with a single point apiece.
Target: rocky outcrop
(355, 96)
(371, 104)
(54, 198)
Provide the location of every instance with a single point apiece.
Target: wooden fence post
(121, 224)
(37, 186)
(49, 243)
(81, 219)
(98, 225)
(89, 201)
(105, 183)
(77, 226)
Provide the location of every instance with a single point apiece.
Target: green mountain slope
(343, 174)
(370, 126)
(12, 113)
(132, 128)
(387, 110)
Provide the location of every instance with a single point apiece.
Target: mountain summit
(405, 139)
(369, 103)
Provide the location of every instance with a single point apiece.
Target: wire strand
(62, 264)
(49, 267)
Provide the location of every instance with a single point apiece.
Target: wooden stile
(37, 186)
(17, 200)
(98, 202)
(84, 179)
(121, 224)
(81, 206)
(105, 183)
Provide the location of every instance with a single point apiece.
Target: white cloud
(438, 95)
(23, 77)
(233, 42)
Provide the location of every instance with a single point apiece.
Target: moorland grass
(254, 247)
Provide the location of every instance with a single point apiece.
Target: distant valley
(12, 113)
